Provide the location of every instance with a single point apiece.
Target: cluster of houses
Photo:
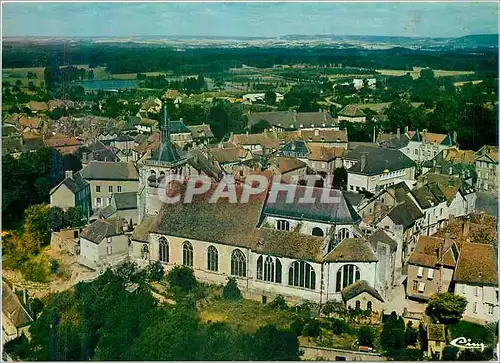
(399, 194)
(385, 229)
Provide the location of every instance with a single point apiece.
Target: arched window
(302, 274)
(212, 259)
(145, 252)
(369, 305)
(152, 176)
(358, 304)
(163, 250)
(317, 232)
(187, 254)
(283, 225)
(343, 233)
(278, 271)
(347, 275)
(269, 269)
(260, 267)
(238, 264)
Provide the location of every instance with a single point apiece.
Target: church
(303, 251)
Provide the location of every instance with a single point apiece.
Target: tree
(231, 291)
(56, 218)
(270, 343)
(279, 303)
(154, 271)
(340, 178)
(411, 334)
(450, 353)
(446, 307)
(37, 225)
(366, 336)
(259, 127)
(476, 354)
(74, 217)
(181, 279)
(392, 338)
(270, 98)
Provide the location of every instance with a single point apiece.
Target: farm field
(415, 73)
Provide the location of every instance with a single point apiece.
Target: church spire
(165, 127)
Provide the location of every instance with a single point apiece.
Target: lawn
(248, 315)
(475, 332)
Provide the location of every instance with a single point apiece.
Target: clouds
(249, 19)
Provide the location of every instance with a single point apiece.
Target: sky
(249, 19)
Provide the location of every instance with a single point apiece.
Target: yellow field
(460, 84)
(415, 73)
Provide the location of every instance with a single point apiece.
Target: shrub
(54, 266)
(450, 353)
(411, 334)
(312, 328)
(279, 303)
(36, 270)
(366, 336)
(338, 326)
(181, 279)
(154, 271)
(231, 290)
(297, 326)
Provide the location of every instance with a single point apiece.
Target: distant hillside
(477, 40)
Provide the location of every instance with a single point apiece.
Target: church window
(212, 259)
(283, 225)
(238, 264)
(187, 254)
(317, 232)
(347, 275)
(302, 274)
(358, 304)
(145, 252)
(163, 250)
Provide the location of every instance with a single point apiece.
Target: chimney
(363, 162)
(398, 134)
(69, 174)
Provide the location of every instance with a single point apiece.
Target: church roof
(352, 250)
(339, 211)
(353, 290)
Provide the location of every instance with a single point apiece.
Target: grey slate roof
(381, 236)
(141, 232)
(178, 127)
(166, 152)
(378, 160)
(125, 200)
(354, 198)
(351, 111)
(123, 138)
(12, 307)
(201, 131)
(291, 119)
(339, 212)
(295, 149)
(357, 288)
(352, 250)
(101, 229)
(405, 214)
(102, 170)
(74, 184)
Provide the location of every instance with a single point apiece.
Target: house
(60, 104)
(286, 120)
(436, 338)
(151, 105)
(180, 134)
(73, 191)
(123, 142)
(289, 167)
(12, 139)
(432, 202)
(123, 206)
(97, 151)
(201, 134)
(65, 240)
(424, 146)
(107, 137)
(372, 83)
(106, 178)
(16, 320)
(430, 267)
(396, 141)
(64, 144)
(357, 83)
(228, 159)
(146, 125)
(476, 279)
(360, 295)
(37, 107)
(256, 143)
(371, 168)
(295, 149)
(453, 162)
(260, 97)
(326, 137)
(103, 244)
(351, 113)
(323, 159)
(31, 124)
(487, 169)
